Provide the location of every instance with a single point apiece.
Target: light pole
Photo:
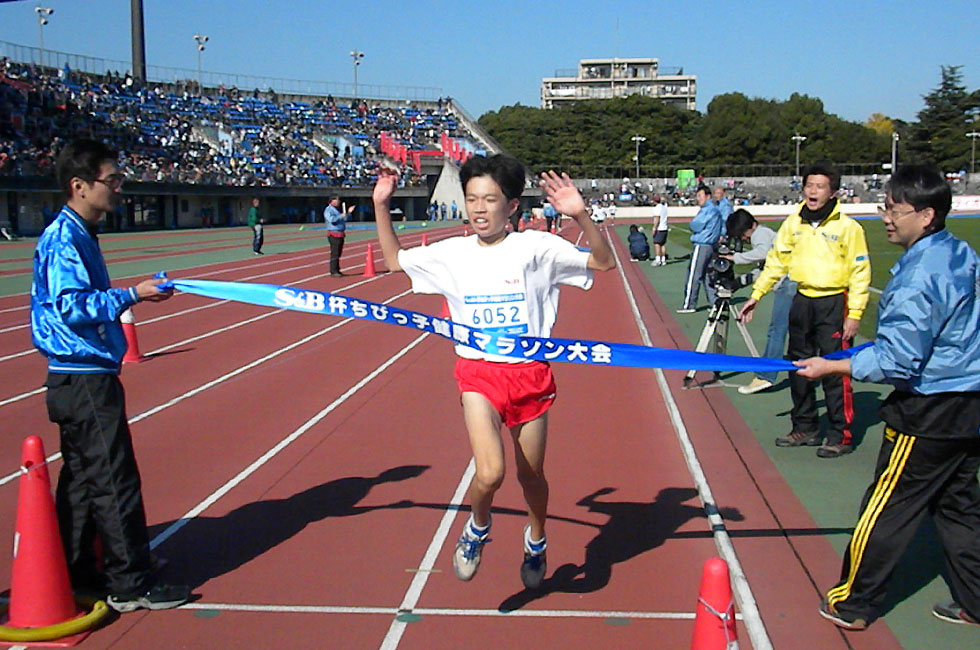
(357, 56)
(973, 135)
(895, 139)
(201, 40)
(42, 20)
(638, 139)
(798, 139)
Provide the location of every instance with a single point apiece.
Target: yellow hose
(52, 632)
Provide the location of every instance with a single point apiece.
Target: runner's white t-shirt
(510, 287)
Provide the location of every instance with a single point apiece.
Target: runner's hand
(384, 188)
(563, 195)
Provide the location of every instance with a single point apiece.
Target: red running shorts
(519, 391)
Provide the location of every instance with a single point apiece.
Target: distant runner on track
(506, 282)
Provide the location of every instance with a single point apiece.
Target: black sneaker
(799, 439)
(160, 596)
(834, 450)
(840, 620)
(951, 612)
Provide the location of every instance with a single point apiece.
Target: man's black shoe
(160, 596)
(834, 450)
(799, 439)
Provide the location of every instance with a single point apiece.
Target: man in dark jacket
(639, 246)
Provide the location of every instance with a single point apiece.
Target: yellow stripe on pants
(879, 499)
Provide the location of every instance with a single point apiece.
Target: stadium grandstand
(192, 157)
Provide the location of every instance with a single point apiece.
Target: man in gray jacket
(742, 225)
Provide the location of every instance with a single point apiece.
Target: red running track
(303, 474)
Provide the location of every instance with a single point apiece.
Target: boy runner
(508, 283)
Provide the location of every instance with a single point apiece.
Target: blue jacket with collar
(707, 225)
(928, 338)
(74, 310)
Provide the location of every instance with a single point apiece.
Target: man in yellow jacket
(825, 252)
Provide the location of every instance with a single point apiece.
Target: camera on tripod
(721, 271)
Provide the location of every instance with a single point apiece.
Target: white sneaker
(757, 384)
(469, 549)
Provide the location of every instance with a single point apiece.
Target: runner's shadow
(208, 547)
(633, 528)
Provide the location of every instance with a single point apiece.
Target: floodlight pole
(895, 139)
(973, 135)
(42, 20)
(201, 40)
(357, 56)
(798, 139)
(638, 139)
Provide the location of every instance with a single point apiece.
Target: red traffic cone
(425, 240)
(444, 312)
(369, 271)
(132, 344)
(714, 622)
(42, 607)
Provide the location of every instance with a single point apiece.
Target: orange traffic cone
(714, 622)
(41, 604)
(369, 271)
(132, 344)
(425, 240)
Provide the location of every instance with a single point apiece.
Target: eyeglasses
(892, 214)
(112, 182)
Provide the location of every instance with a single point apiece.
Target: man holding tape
(75, 324)
(928, 347)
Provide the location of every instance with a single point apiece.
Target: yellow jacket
(825, 260)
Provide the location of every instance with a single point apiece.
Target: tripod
(715, 336)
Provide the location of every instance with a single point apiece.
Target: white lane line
(17, 398)
(208, 305)
(441, 611)
(214, 303)
(353, 245)
(214, 382)
(22, 353)
(411, 599)
(282, 444)
(740, 584)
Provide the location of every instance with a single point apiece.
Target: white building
(606, 78)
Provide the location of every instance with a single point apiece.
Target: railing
(741, 172)
(54, 60)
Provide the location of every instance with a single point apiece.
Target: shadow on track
(208, 547)
(633, 528)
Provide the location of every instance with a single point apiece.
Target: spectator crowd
(172, 133)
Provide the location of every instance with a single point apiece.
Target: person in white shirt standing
(660, 233)
(503, 283)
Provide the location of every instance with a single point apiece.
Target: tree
(939, 137)
(880, 123)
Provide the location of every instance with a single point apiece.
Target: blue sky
(858, 57)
